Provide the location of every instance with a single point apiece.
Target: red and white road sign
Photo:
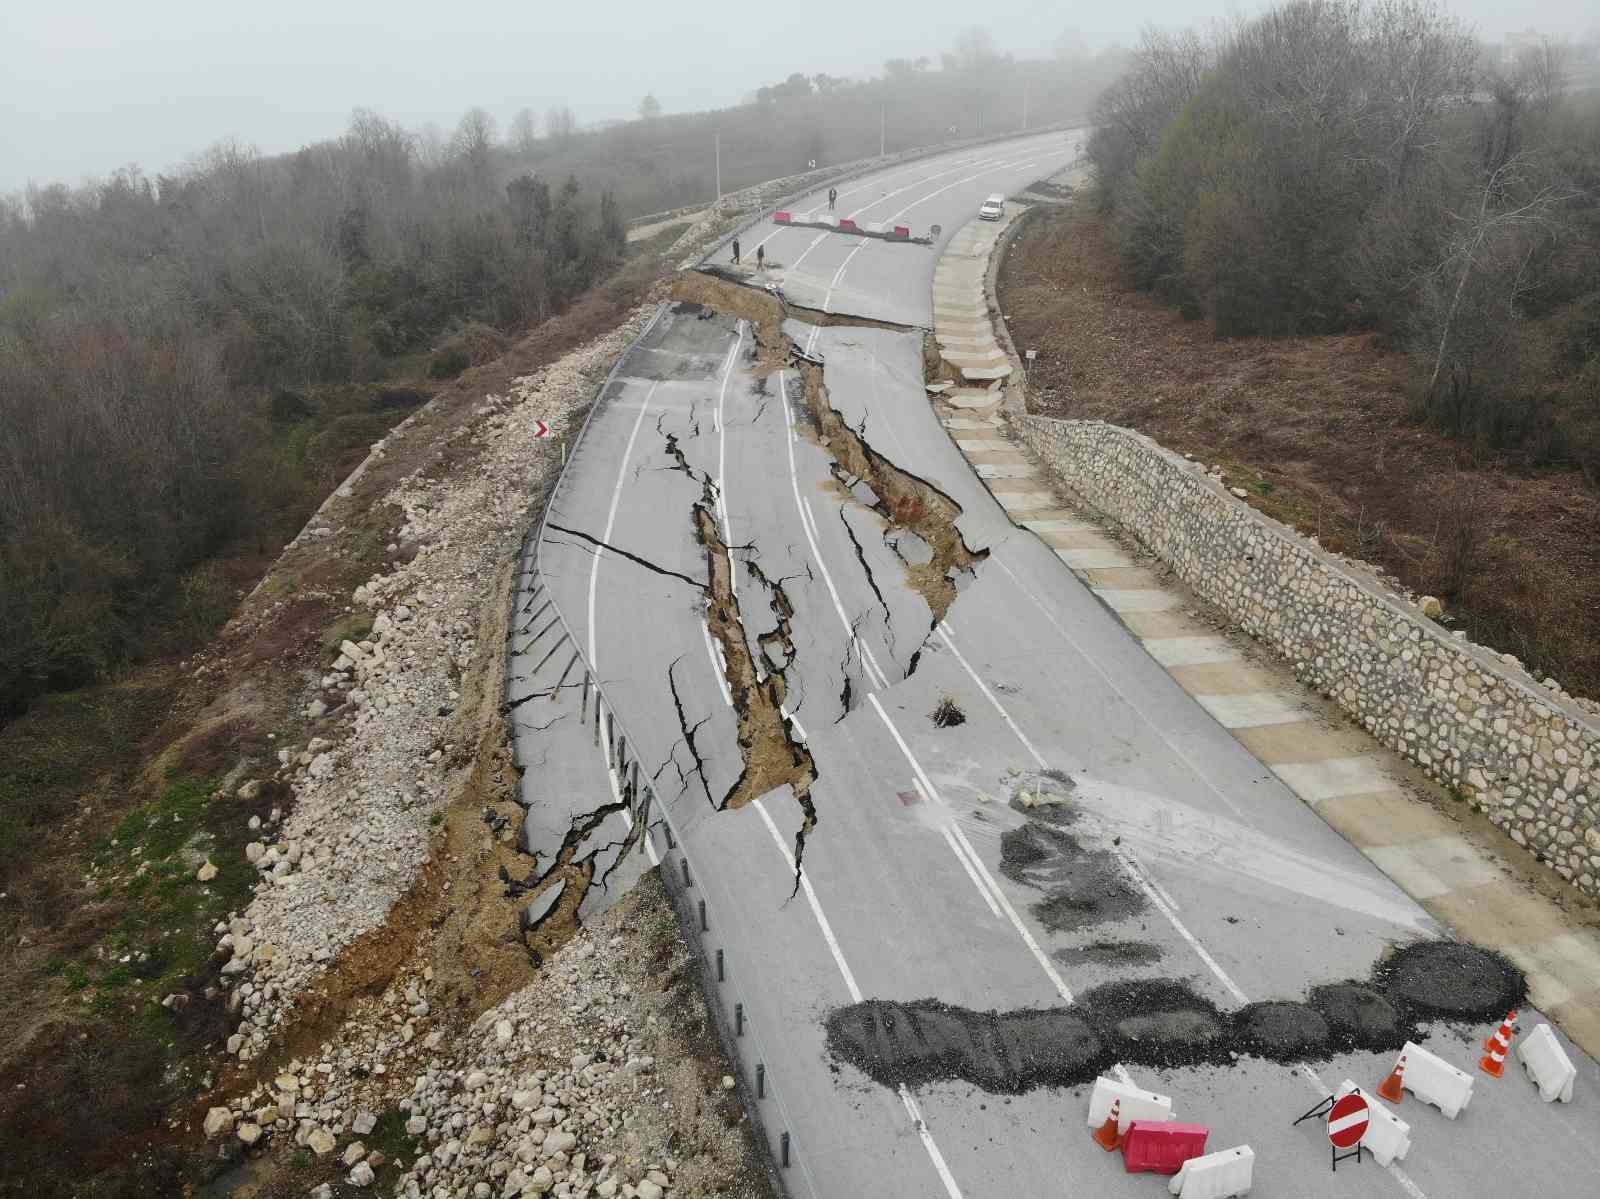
(1348, 1120)
(540, 429)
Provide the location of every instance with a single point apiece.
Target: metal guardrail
(612, 735)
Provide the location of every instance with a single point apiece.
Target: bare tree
(560, 123)
(524, 132)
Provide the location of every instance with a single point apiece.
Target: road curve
(1083, 844)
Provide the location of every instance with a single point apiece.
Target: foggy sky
(87, 86)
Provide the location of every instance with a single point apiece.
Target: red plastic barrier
(783, 218)
(1161, 1146)
(847, 224)
(902, 230)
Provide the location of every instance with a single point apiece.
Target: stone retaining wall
(1473, 721)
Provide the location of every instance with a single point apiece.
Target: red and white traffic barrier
(1220, 1175)
(1162, 1146)
(783, 218)
(1547, 1064)
(1387, 1136)
(846, 225)
(902, 230)
(1134, 1104)
(1433, 1080)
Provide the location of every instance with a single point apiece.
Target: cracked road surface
(752, 560)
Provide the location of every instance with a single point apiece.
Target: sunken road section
(1164, 1023)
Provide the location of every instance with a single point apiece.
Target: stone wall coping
(1360, 575)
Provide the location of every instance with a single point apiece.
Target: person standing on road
(736, 251)
(833, 197)
(761, 257)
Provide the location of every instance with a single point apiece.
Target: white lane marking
(722, 459)
(611, 519)
(991, 167)
(827, 299)
(944, 634)
(967, 864)
(627, 818)
(869, 660)
(1045, 964)
(1120, 694)
(794, 720)
(716, 665)
(855, 996)
(955, 848)
(1137, 875)
(1157, 897)
(957, 165)
(950, 1187)
(874, 674)
(1399, 1175)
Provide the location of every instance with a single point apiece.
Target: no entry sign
(1348, 1120)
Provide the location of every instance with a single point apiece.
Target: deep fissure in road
(1165, 1023)
(773, 756)
(902, 499)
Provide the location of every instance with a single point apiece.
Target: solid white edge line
(627, 818)
(716, 667)
(944, 635)
(611, 520)
(1157, 896)
(928, 1142)
(722, 458)
(915, 1112)
(807, 524)
(955, 848)
(1045, 964)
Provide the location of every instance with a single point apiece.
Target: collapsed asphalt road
(1084, 839)
(1163, 1022)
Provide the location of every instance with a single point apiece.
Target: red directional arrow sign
(540, 429)
(1348, 1120)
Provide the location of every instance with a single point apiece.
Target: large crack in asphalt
(773, 756)
(903, 500)
(1164, 1023)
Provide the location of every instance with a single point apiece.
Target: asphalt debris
(1164, 1022)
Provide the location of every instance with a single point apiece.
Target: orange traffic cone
(1107, 1136)
(1502, 1036)
(1393, 1087)
(1493, 1063)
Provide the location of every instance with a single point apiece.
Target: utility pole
(1024, 107)
(881, 123)
(719, 168)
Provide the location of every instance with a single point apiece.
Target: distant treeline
(159, 337)
(145, 322)
(1337, 165)
(670, 161)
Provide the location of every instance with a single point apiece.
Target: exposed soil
(1322, 432)
(1163, 1022)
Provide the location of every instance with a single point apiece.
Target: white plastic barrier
(1547, 1064)
(1136, 1104)
(1434, 1080)
(1218, 1175)
(1388, 1136)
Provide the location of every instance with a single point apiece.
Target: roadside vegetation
(1353, 258)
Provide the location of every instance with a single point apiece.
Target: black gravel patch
(1082, 887)
(1164, 1022)
(1452, 980)
(1282, 1031)
(1009, 1053)
(1109, 953)
(1360, 1018)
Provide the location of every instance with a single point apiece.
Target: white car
(993, 208)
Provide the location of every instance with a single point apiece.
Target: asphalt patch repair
(1163, 1022)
